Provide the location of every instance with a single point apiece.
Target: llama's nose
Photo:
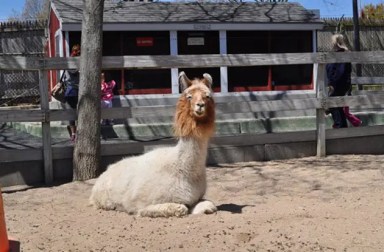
(200, 105)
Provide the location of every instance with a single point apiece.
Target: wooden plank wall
(320, 103)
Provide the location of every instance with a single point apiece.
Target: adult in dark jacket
(72, 79)
(339, 80)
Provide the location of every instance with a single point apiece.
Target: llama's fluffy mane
(186, 124)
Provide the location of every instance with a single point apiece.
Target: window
(200, 42)
(252, 77)
(269, 77)
(293, 42)
(151, 81)
(146, 43)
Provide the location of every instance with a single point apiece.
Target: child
(106, 96)
(355, 121)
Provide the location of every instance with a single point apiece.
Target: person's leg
(109, 105)
(339, 119)
(104, 104)
(338, 115)
(72, 102)
(344, 123)
(354, 120)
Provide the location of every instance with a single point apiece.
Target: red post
(4, 243)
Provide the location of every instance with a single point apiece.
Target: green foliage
(371, 11)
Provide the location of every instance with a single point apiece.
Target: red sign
(144, 41)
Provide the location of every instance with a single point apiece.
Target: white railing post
(46, 127)
(320, 112)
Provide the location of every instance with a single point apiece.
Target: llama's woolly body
(159, 176)
(169, 180)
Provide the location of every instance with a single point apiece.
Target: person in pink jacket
(106, 96)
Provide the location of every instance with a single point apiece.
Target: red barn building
(179, 28)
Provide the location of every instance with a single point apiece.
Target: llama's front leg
(164, 210)
(204, 207)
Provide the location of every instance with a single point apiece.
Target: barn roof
(70, 12)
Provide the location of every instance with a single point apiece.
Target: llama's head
(195, 110)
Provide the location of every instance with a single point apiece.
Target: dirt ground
(307, 204)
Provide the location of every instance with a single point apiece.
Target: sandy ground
(308, 204)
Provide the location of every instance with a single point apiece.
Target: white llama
(169, 181)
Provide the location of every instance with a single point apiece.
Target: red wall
(54, 25)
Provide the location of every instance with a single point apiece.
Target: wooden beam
(367, 80)
(21, 115)
(373, 101)
(119, 147)
(320, 112)
(46, 127)
(357, 101)
(263, 106)
(192, 61)
(19, 155)
(373, 130)
(19, 63)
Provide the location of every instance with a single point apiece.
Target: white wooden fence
(320, 103)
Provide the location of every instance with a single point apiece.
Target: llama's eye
(189, 96)
(208, 96)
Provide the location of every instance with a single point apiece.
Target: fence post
(320, 112)
(46, 127)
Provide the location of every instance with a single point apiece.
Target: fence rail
(320, 103)
(367, 80)
(356, 101)
(193, 61)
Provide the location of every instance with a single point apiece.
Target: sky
(6, 7)
(328, 8)
(334, 8)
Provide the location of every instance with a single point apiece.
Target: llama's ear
(184, 82)
(207, 80)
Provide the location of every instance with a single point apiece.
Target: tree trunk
(86, 156)
(356, 37)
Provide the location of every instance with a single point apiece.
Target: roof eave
(199, 26)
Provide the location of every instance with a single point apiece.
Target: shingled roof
(70, 12)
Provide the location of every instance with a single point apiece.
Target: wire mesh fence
(21, 39)
(19, 87)
(371, 39)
